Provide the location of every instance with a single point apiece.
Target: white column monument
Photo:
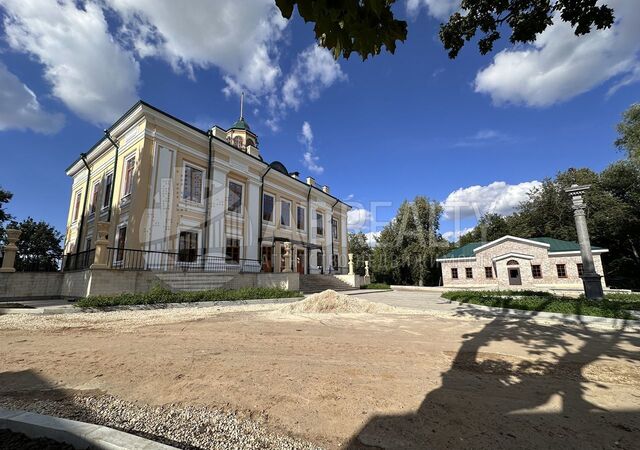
(590, 279)
(351, 272)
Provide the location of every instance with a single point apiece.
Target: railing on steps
(158, 261)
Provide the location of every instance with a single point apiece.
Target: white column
(216, 212)
(252, 220)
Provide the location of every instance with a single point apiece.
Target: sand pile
(330, 301)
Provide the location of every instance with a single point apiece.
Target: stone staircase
(310, 284)
(194, 281)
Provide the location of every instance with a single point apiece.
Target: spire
(240, 123)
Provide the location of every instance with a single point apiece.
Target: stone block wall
(34, 285)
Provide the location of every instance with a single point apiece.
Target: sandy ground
(400, 379)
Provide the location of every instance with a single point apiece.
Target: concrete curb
(77, 434)
(70, 309)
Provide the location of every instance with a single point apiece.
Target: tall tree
(365, 27)
(361, 250)
(39, 245)
(629, 132)
(408, 246)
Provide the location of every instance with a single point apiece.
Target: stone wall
(288, 281)
(34, 285)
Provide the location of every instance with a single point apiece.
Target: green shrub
(158, 294)
(375, 286)
(547, 302)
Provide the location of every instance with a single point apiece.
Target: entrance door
(514, 276)
(300, 261)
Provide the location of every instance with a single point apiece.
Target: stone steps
(311, 284)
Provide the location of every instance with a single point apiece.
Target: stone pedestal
(351, 272)
(367, 277)
(590, 279)
(10, 250)
(101, 254)
(286, 248)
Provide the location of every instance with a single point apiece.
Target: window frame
(538, 268)
(229, 259)
(190, 200)
(468, 272)
(240, 210)
(334, 229)
(273, 207)
(106, 194)
(127, 184)
(580, 269)
(192, 256)
(77, 199)
(319, 224)
(282, 202)
(454, 273)
(488, 272)
(120, 243)
(564, 270)
(93, 205)
(304, 218)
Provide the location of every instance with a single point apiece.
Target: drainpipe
(207, 196)
(309, 231)
(115, 172)
(261, 211)
(83, 156)
(331, 232)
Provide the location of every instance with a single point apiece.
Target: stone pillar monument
(367, 277)
(351, 272)
(286, 248)
(100, 258)
(10, 251)
(590, 279)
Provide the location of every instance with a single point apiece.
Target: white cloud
(91, 73)
(309, 159)
(483, 137)
(20, 109)
(358, 219)
(314, 70)
(371, 238)
(453, 236)
(561, 65)
(440, 9)
(497, 197)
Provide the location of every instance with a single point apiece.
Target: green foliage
(546, 302)
(613, 217)
(350, 25)
(365, 27)
(39, 245)
(629, 132)
(361, 251)
(409, 245)
(525, 20)
(375, 286)
(5, 196)
(158, 294)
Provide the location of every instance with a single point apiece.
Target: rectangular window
(192, 189)
(468, 272)
(536, 271)
(319, 262)
(334, 228)
(334, 262)
(234, 202)
(488, 272)
(94, 197)
(285, 213)
(127, 177)
(87, 245)
(562, 270)
(76, 206)
(122, 238)
(188, 246)
(267, 207)
(580, 269)
(233, 250)
(108, 185)
(454, 273)
(319, 224)
(300, 218)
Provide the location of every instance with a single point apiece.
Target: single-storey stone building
(513, 262)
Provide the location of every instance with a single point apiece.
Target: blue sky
(475, 133)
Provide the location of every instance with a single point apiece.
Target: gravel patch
(186, 427)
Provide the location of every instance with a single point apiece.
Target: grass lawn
(159, 295)
(613, 306)
(375, 286)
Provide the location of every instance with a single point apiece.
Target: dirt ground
(347, 380)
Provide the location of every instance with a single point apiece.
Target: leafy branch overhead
(366, 26)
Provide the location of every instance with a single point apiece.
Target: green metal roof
(241, 124)
(555, 245)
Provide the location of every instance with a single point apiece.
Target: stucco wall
(500, 280)
(289, 281)
(20, 285)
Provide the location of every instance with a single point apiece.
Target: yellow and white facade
(164, 185)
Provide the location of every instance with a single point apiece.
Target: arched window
(512, 262)
(250, 142)
(237, 142)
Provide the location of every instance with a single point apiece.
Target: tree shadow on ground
(537, 400)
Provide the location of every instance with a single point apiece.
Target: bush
(612, 306)
(160, 295)
(376, 286)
